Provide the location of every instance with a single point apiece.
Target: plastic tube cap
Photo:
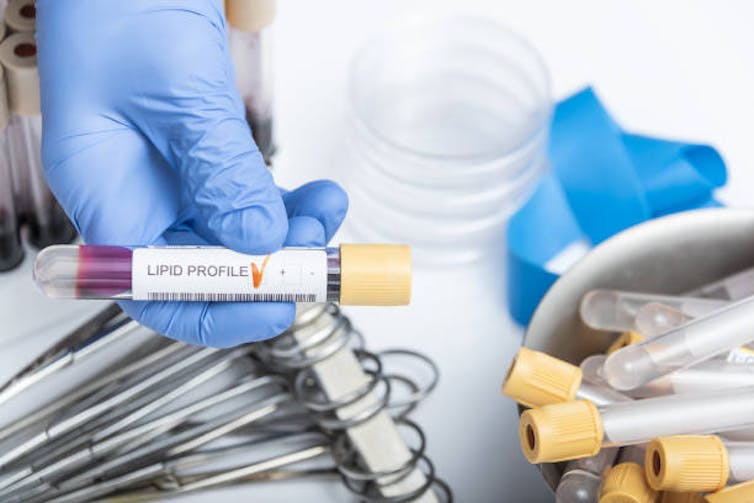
(686, 463)
(739, 493)
(21, 15)
(250, 15)
(561, 431)
(535, 379)
(375, 275)
(626, 339)
(672, 497)
(625, 483)
(18, 54)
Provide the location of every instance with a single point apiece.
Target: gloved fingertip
(134, 309)
(224, 325)
(305, 231)
(286, 317)
(255, 230)
(337, 205)
(324, 200)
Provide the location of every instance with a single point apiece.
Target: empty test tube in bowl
(702, 338)
(355, 274)
(582, 478)
(716, 374)
(615, 310)
(577, 429)
(733, 287)
(701, 463)
(710, 375)
(626, 481)
(535, 379)
(656, 318)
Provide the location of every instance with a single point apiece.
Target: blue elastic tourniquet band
(602, 181)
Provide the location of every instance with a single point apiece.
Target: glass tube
(11, 248)
(351, 274)
(656, 318)
(570, 430)
(250, 34)
(641, 420)
(616, 311)
(681, 347)
(706, 376)
(48, 223)
(701, 463)
(582, 478)
(734, 287)
(741, 459)
(600, 394)
(535, 378)
(626, 482)
(591, 369)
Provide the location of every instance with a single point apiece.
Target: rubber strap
(602, 181)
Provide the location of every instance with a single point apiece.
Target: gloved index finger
(322, 200)
(190, 110)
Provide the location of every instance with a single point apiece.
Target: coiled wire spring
(122, 436)
(318, 333)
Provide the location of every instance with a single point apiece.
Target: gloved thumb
(192, 113)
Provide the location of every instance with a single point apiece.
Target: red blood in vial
(104, 271)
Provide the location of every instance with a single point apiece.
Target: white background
(675, 69)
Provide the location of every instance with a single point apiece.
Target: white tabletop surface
(675, 69)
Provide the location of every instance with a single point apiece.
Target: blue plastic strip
(602, 181)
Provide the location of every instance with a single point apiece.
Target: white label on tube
(188, 273)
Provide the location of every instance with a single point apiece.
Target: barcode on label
(231, 297)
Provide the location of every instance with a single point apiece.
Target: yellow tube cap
(561, 431)
(535, 379)
(739, 493)
(673, 497)
(626, 483)
(375, 275)
(625, 339)
(687, 463)
(250, 15)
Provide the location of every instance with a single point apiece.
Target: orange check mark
(258, 274)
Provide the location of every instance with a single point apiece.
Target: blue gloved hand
(145, 142)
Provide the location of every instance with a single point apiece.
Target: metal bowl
(669, 255)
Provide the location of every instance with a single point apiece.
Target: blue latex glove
(145, 142)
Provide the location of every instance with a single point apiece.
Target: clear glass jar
(447, 136)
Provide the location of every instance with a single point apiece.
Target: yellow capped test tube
(535, 379)
(579, 428)
(702, 463)
(739, 493)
